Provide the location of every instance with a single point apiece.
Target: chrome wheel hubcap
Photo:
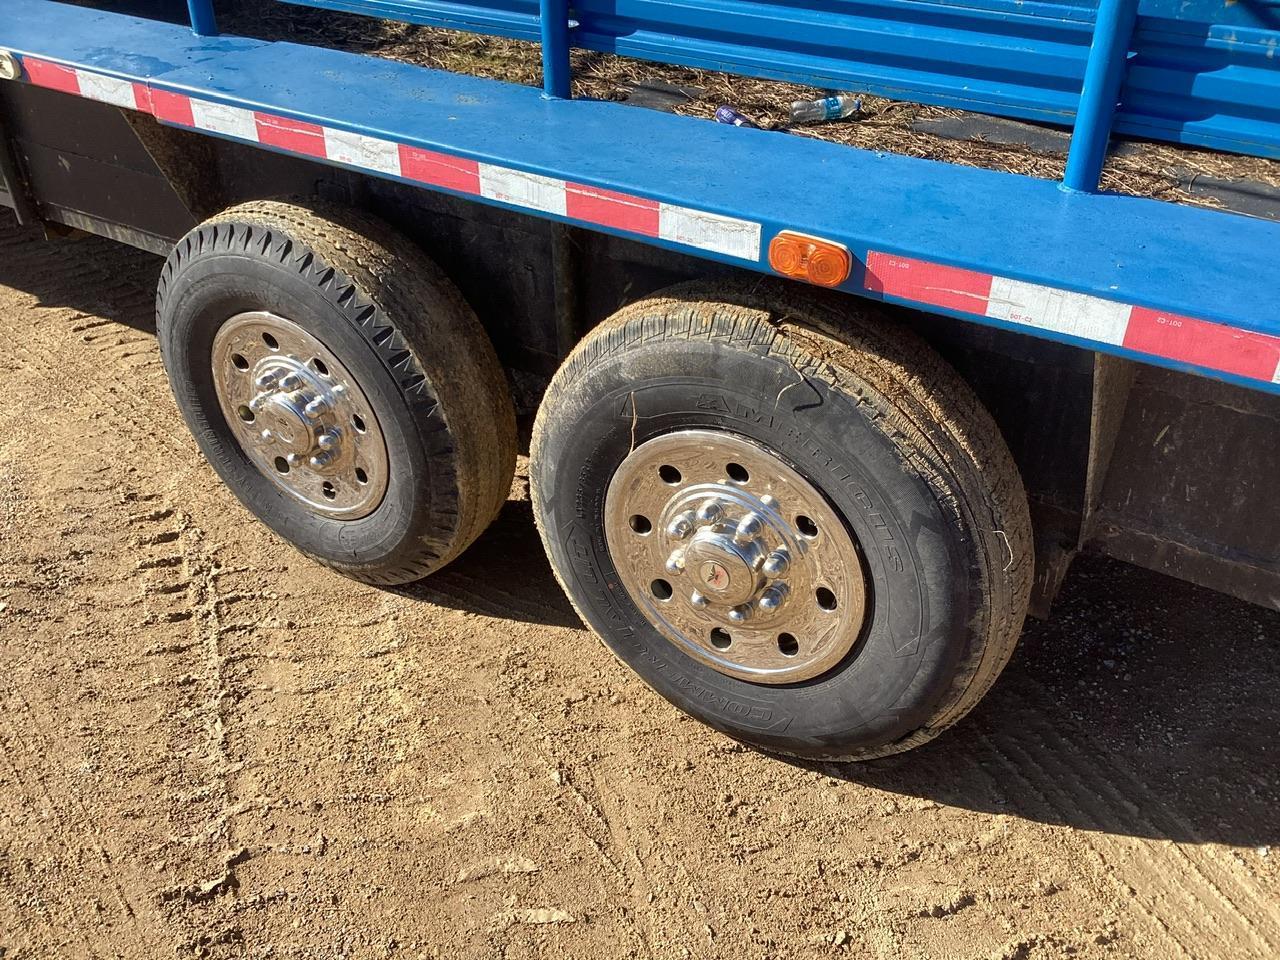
(735, 557)
(299, 415)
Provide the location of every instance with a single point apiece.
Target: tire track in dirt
(1039, 782)
(122, 921)
(585, 810)
(56, 277)
(44, 803)
(1180, 889)
(119, 373)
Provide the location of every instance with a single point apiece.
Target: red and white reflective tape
(699, 229)
(1214, 346)
(91, 86)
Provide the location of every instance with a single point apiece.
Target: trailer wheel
(339, 385)
(793, 520)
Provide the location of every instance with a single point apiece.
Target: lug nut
(748, 527)
(710, 511)
(293, 459)
(772, 598)
(267, 436)
(697, 599)
(257, 403)
(740, 613)
(775, 565)
(680, 527)
(675, 562)
(768, 500)
(267, 379)
(316, 408)
(328, 440)
(321, 459)
(291, 381)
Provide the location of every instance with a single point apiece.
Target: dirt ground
(210, 746)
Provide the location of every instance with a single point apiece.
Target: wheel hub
(735, 557)
(299, 415)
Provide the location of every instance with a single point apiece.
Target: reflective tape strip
(172, 108)
(228, 121)
(296, 136)
(113, 90)
(439, 169)
(528, 190)
(1214, 345)
(52, 76)
(612, 209)
(684, 226)
(1046, 308)
(92, 86)
(709, 231)
(357, 150)
(1201, 343)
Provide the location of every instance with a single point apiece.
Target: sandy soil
(210, 746)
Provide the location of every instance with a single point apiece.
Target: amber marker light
(812, 259)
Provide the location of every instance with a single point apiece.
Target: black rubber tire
(411, 342)
(871, 415)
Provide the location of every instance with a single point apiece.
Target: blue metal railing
(1024, 62)
(1200, 73)
(1103, 74)
(557, 71)
(203, 22)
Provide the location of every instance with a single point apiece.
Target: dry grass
(1144, 169)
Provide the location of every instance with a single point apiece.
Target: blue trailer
(815, 426)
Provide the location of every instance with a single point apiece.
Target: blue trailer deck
(1187, 288)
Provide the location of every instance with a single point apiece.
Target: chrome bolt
(775, 565)
(741, 613)
(320, 460)
(290, 381)
(675, 562)
(267, 436)
(267, 380)
(697, 599)
(680, 527)
(257, 403)
(328, 440)
(772, 598)
(710, 511)
(768, 500)
(294, 460)
(338, 389)
(748, 527)
(316, 408)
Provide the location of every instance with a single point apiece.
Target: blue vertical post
(556, 71)
(202, 19)
(1103, 74)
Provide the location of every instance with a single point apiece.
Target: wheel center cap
(715, 577)
(724, 569)
(288, 423)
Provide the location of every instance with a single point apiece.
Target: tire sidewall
(923, 576)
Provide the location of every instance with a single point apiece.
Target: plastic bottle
(729, 115)
(828, 108)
